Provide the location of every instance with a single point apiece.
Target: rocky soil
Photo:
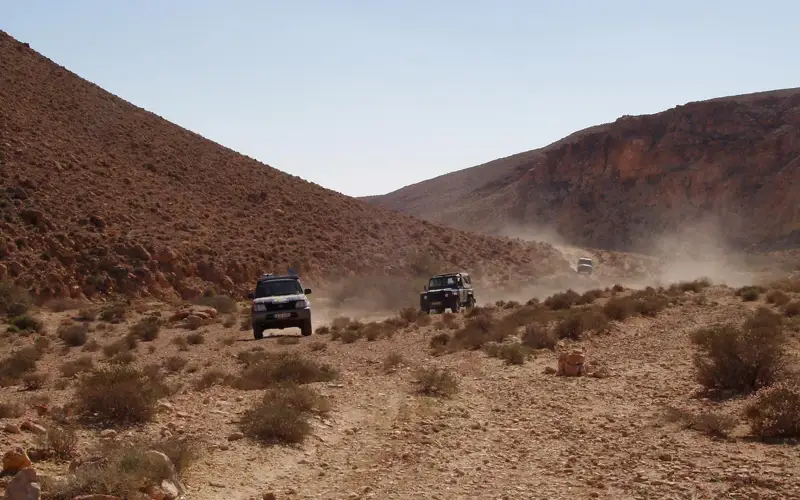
(499, 430)
(730, 164)
(98, 196)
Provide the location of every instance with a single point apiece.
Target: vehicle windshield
(278, 287)
(587, 262)
(442, 282)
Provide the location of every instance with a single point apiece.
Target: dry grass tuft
(146, 329)
(438, 382)
(282, 415)
(708, 422)
(73, 335)
(774, 412)
(280, 368)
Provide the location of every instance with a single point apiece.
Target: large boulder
(571, 364)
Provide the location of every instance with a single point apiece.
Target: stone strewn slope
(734, 161)
(99, 195)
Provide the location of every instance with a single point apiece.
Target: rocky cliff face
(733, 163)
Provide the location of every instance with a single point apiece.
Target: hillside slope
(733, 162)
(99, 195)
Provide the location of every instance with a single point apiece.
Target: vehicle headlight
(301, 304)
(259, 307)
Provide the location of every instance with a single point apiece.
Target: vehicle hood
(280, 299)
(439, 290)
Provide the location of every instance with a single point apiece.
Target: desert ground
(467, 405)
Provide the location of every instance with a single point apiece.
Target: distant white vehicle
(585, 265)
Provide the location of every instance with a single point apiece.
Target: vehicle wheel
(258, 332)
(425, 311)
(470, 302)
(305, 330)
(455, 307)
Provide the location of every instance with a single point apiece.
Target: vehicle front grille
(279, 306)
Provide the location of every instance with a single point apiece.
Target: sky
(365, 97)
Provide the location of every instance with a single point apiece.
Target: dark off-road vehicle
(280, 302)
(447, 291)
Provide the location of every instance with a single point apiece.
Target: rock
(165, 406)
(15, 460)
(571, 364)
(235, 436)
(169, 489)
(32, 427)
(155, 492)
(164, 463)
(193, 322)
(12, 428)
(108, 434)
(24, 486)
(209, 311)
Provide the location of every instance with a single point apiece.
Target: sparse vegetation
(195, 338)
(118, 395)
(146, 329)
(26, 323)
(562, 300)
(114, 312)
(750, 293)
(281, 368)
(72, 368)
(11, 410)
(539, 336)
(792, 309)
(777, 297)
(14, 301)
(224, 304)
(282, 415)
(710, 423)
(61, 442)
(741, 359)
(392, 361)
(17, 364)
(73, 335)
(774, 412)
(435, 381)
(511, 353)
(175, 364)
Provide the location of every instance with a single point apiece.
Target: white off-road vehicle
(585, 265)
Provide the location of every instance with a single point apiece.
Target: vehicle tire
(455, 306)
(305, 329)
(470, 302)
(258, 332)
(425, 311)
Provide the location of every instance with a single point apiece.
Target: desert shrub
(195, 338)
(408, 314)
(777, 297)
(14, 301)
(60, 441)
(210, 378)
(439, 341)
(710, 423)
(91, 346)
(282, 415)
(72, 368)
(575, 325)
(317, 345)
(86, 315)
(589, 297)
(750, 293)
(740, 359)
(511, 354)
(650, 305)
(174, 364)
(392, 361)
(618, 288)
(33, 381)
(562, 300)
(792, 309)
(323, 330)
(114, 312)
(118, 395)
(477, 332)
(619, 308)
(125, 467)
(11, 410)
(539, 336)
(73, 335)
(41, 344)
(774, 412)
(125, 344)
(350, 335)
(281, 368)
(146, 329)
(26, 323)
(222, 303)
(18, 363)
(434, 381)
(695, 286)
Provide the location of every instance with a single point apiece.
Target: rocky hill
(99, 195)
(731, 163)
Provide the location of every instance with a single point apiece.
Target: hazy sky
(364, 97)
